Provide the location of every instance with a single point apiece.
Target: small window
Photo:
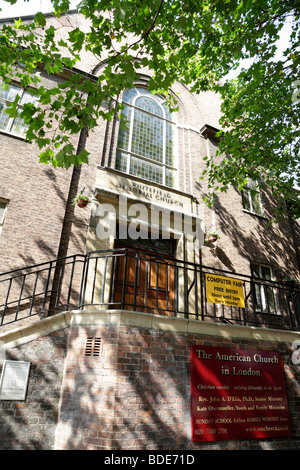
(264, 293)
(251, 198)
(15, 125)
(3, 208)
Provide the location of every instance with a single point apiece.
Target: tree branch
(143, 37)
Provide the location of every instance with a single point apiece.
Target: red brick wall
(136, 395)
(38, 202)
(30, 425)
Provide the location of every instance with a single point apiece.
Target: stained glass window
(146, 138)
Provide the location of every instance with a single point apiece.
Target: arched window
(146, 145)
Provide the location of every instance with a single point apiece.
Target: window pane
(170, 154)
(146, 170)
(123, 140)
(10, 93)
(246, 200)
(170, 178)
(4, 118)
(121, 161)
(147, 137)
(149, 105)
(266, 273)
(256, 203)
(251, 198)
(270, 298)
(27, 98)
(18, 127)
(264, 293)
(251, 185)
(255, 270)
(258, 300)
(129, 95)
(2, 211)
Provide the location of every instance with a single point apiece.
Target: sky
(22, 8)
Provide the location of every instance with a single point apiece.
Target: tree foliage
(196, 42)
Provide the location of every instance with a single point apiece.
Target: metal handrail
(36, 289)
(111, 279)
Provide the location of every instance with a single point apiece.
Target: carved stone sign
(14, 380)
(121, 185)
(149, 192)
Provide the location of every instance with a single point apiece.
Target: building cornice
(129, 319)
(209, 132)
(11, 19)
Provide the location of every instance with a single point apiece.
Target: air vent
(93, 347)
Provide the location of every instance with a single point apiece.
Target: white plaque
(14, 380)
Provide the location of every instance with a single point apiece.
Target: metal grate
(93, 347)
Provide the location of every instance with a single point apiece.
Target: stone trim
(125, 318)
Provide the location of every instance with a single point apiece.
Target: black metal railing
(137, 281)
(40, 289)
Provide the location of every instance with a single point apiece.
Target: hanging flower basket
(211, 236)
(292, 285)
(81, 201)
(290, 282)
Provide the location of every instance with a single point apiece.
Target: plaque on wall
(237, 394)
(14, 380)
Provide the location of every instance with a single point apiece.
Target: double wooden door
(144, 281)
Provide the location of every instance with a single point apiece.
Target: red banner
(237, 394)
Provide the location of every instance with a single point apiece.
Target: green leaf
(40, 19)
(194, 43)
(18, 23)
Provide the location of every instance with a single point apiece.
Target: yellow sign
(224, 290)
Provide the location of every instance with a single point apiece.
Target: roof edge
(28, 17)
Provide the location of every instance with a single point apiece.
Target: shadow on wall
(30, 425)
(136, 396)
(262, 241)
(29, 292)
(74, 225)
(57, 226)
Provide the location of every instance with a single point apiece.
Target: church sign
(237, 394)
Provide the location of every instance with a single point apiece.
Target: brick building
(105, 302)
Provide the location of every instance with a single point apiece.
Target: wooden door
(147, 283)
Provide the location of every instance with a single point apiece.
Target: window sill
(255, 214)
(263, 312)
(15, 136)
